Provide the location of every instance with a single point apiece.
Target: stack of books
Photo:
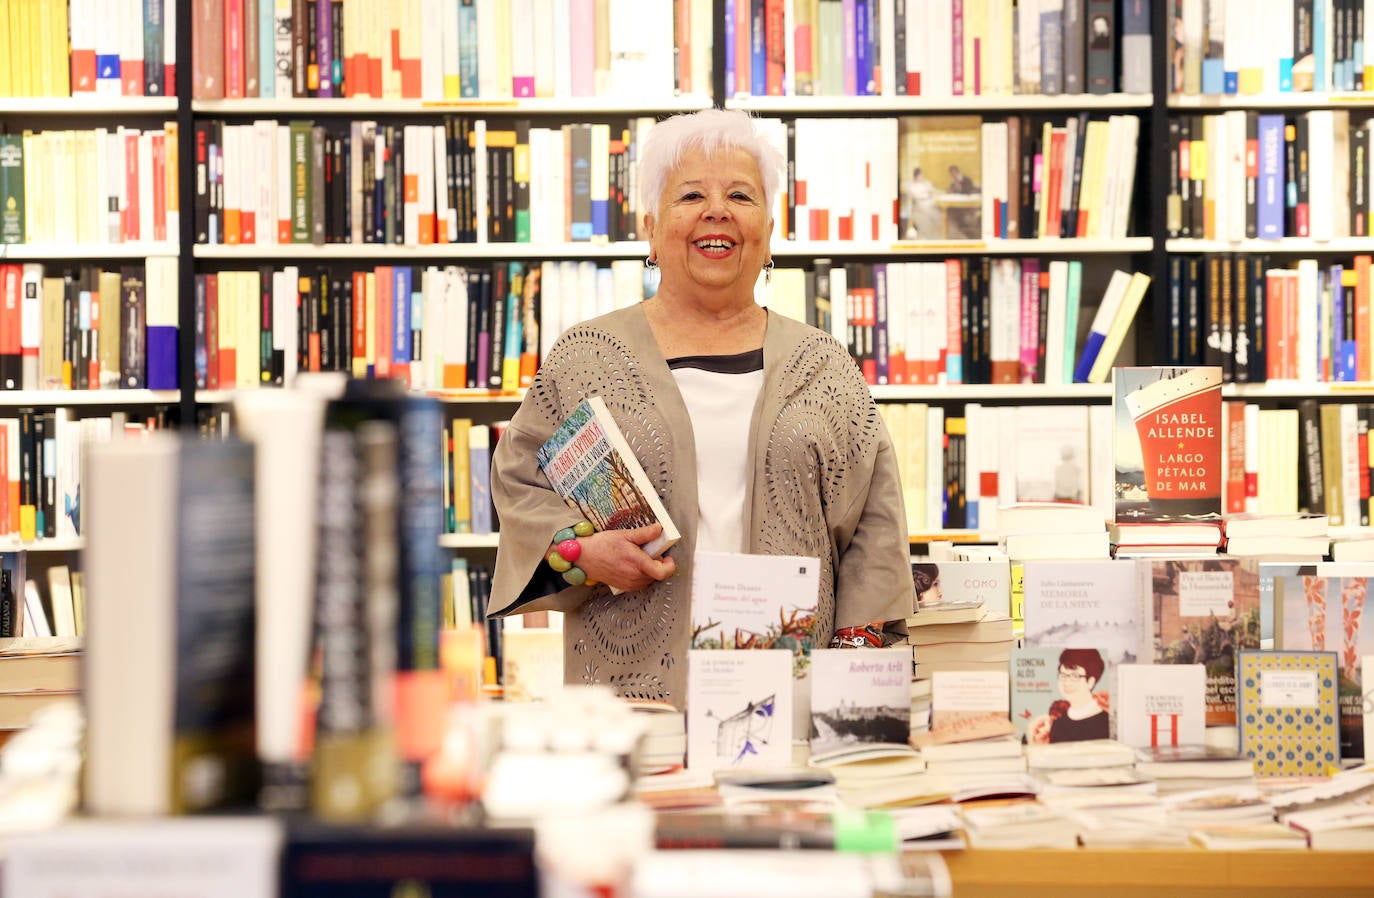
(1301, 536)
(1132, 539)
(976, 643)
(1029, 531)
(1185, 768)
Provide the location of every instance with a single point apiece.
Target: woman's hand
(616, 557)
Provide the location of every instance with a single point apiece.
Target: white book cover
(950, 583)
(969, 704)
(1083, 603)
(1160, 704)
(739, 709)
(860, 696)
(742, 601)
(1052, 453)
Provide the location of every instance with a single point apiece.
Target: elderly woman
(757, 430)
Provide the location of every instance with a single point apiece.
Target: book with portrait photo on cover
(589, 463)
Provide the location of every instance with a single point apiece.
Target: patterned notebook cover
(1286, 706)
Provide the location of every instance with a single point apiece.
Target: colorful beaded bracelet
(565, 552)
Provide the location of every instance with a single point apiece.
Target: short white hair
(712, 130)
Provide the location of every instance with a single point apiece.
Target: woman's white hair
(712, 130)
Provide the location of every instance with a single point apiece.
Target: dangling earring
(651, 263)
(768, 272)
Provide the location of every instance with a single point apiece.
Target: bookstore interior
(1104, 267)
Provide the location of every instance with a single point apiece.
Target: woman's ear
(648, 226)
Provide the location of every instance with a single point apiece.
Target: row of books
(1306, 322)
(1273, 46)
(964, 320)
(89, 186)
(435, 51)
(1040, 177)
(85, 327)
(110, 48)
(463, 181)
(933, 49)
(1245, 174)
(483, 326)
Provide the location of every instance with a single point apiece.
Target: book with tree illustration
(1203, 612)
(589, 463)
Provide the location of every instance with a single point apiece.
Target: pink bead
(570, 549)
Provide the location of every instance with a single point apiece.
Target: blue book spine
(1320, 10)
(467, 48)
(267, 57)
(1213, 76)
(730, 39)
(1091, 347)
(863, 48)
(1337, 323)
(162, 357)
(758, 54)
(400, 314)
(1270, 202)
(1231, 82)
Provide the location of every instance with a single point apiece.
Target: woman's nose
(716, 207)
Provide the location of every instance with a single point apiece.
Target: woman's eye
(692, 195)
(742, 197)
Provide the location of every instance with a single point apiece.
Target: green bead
(558, 563)
(583, 528)
(576, 576)
(565, 533)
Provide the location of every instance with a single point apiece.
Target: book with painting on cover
(1287, 709)
(939, 158)
(1167, 443)
(1321, 608)
(1202, 611)
(589, 463)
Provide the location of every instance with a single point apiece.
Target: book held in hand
(589, 463)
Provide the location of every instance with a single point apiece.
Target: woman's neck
(683, 326)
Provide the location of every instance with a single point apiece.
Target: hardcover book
(739, 709)
(1160, 704)
(1085, 604)
(950, 584)
(938, 158)
(1061, 694)
(1167, 443)
(1287, 707)
(742, 601)
(1321, 609)
(860, 697)
(966, 705)
(1203, 611)
(589, 463)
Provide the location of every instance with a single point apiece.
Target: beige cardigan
(824, 485)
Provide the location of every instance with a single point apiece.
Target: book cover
(1167, 443)
(1203, 611)
(1061, 694)
(860, 697)
(950, 584)
(1287, 712)
(742, 601)
(966, 705)
(938, 156)
(1160, 704)
(1321, 609)
(589, 463)
(1085, 604)
(739, 709)
(1052, 453)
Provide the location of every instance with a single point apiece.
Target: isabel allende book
(590, 464)
(1167, 443)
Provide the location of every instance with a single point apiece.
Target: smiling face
(710, 231)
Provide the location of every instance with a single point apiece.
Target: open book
(589, 463)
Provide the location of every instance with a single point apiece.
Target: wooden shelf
(1280, 389)
(974, 392)
(65, 544)
(562, 106)
(437, 252)
(53, 398)
(1292, 100)
(469, 540)
(21, 252)
(448, 397)
(942, 248)
(1071, 103)
(1285, 245)
(1182, 873)
(88, 104)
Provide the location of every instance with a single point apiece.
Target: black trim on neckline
(741, 363)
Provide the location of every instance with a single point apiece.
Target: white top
(720, 392)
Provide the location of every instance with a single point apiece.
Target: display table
(1150, 873)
